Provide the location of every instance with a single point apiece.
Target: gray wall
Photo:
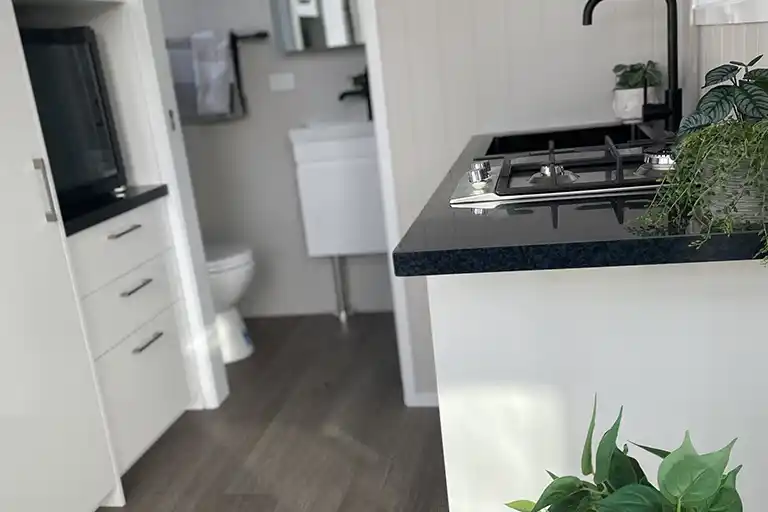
(243, 172)
(452, 69)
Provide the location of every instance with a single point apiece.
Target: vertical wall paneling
(723, 43)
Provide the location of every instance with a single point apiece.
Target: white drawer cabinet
(117, 309)
(143, 387)
(108, 250)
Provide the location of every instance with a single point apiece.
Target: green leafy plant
(738, 91)
(634, 76)
(719, 183)
(687, 481)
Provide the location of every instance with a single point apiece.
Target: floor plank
(314, 422)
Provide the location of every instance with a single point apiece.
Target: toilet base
(234, 340)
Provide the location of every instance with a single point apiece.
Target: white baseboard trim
(420, 399)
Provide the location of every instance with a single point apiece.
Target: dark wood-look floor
(315, 422)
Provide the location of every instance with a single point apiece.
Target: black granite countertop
(554, 235)
(86, 215)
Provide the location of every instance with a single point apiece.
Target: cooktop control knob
(479, 173)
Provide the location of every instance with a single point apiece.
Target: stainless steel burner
(545, 173)
(659, 158)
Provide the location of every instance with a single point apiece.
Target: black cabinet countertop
(87, 215)
(554, 235)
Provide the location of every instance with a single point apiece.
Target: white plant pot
(628, 103)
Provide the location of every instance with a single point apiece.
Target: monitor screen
(73, 110)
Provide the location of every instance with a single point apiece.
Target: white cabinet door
(53, 446)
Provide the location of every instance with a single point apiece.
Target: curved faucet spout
(674, 95)
(589, 9)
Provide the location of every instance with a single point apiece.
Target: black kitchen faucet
(672, 109)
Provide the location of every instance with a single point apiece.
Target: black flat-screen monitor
(75, 114)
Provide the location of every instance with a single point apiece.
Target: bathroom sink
(319, 131)
(339, 189)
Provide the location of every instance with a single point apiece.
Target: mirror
(311, 25)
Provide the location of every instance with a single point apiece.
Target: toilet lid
(224, 257)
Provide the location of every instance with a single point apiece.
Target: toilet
(230, 270)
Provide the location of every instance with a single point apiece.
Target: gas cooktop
(610, 169)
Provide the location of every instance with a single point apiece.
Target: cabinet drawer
(108, 250)
(144, 387)
(119, 308)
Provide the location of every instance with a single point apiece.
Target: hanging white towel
(214, 72)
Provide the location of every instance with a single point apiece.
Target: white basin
(322, 131)
(339, 189)
(337, 141)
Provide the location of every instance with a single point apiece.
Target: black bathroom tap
(362, 90)
(672, 110)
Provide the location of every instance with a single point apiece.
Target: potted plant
(629, 93)
(687, 481)
(720, 183)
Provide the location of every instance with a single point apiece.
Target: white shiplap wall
(719, 44)
(454, 68)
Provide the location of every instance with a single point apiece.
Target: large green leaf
(720, 74)
(557, 491)
(605, 451)
(522, 505)
(633, 498)
(586, 453)
(757, 74)
(650, 449)
(622, 471)
(717, 103)
(751, 100)
(690, 481)
(726, 500)
(686, 449)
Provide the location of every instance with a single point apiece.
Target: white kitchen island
(537, 307)
(519, 356)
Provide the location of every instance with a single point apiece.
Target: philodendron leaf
(756, 75)
(686, 449)
(586, 453)
(720, 74)
(718, 460)
(690, 481)
(751, 100)
(656, 451)
(633, 498)
(622, 472)
(552, 475)
(558, 491)
(726, 500)
(754, 61)
(521, 505)
(693, 122)
(738, 63)
(605, 451)
(717, 103)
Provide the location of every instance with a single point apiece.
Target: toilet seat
(220, 258)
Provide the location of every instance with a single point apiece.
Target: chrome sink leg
(340, 284)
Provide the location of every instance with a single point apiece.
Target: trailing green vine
(720, 180)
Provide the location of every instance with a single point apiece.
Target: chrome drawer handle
(115, 236)
(50, 212)
(133, 291)
(152, 340)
